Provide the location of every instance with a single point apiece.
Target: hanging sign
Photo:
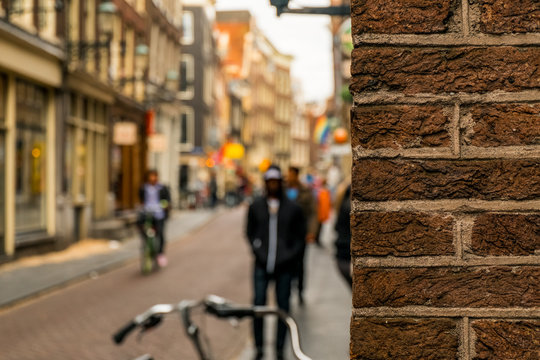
(157, 143)
(125, 133)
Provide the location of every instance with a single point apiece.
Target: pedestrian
(276, 232)
(303, 196)
(213, 189)
(324, 204)
(156, 201)
(343, 229)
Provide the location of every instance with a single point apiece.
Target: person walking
(276, 233)
(324, 204)
(156, 200)
(343, 229)
(303, 197)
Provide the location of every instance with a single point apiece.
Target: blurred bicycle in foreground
(213, 305)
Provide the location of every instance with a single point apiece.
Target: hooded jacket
(291, 233)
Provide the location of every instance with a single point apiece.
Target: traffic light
(280, 5)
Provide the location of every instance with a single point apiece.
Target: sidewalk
(25, 279)
(324, 320)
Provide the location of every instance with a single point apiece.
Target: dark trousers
(300, 272)
(344, 267)
(282, 280)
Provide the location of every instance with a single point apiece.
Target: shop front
(86, 165)
(27, 163)
(128, 153)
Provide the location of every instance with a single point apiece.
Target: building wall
(446, 180)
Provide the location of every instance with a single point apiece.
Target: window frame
(190, 126)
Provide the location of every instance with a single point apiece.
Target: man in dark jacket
(156, 201)
(276, 230)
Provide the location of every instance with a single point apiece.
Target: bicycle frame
(216, 306)
(148, 251)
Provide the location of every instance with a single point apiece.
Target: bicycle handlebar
(123, 332)
(213, 305)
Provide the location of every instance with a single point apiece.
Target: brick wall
(446, 179)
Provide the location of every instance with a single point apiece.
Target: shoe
(259, 355)
(279, 355)
(161, 260)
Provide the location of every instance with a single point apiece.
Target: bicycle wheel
(146, 258)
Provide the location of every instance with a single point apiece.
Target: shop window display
(30, 159)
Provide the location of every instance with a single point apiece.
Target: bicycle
(149, 244)
(213, 305)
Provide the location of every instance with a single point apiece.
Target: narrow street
(78, 322)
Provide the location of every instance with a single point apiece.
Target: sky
(306, 37)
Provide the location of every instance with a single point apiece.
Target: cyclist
(156, 200)
(276, 230)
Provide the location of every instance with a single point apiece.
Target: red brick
(401, 234)
(506, 234)
(447, 287)
(407, 17)
(443, 70)
(497, 339)
(398, 127)
(502, 125)
(383, 180)
(391, 338)
(504, 16)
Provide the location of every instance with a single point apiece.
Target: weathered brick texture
(403, 126)
(490, 125)
(446, 179)
(442, 70)
(382, 180)
(506, 234)
(448, 287)
(390, 338)
(504, 16)
(408, 17)
(402, 234)
(506, 340)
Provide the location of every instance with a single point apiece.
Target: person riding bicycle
(276, 231)
(156, 201)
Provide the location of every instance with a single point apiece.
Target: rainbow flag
(322, 130)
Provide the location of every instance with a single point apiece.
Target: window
(187, 28)
(187, 77)
(187, 131)
(30, 166)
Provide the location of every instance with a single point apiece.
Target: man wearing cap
(276, 230)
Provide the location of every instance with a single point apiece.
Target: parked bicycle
(213, 305)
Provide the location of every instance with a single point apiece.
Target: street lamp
(282, 6)
(106, 13)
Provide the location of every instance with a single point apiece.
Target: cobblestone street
(78, 322)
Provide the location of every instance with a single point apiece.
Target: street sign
(125, 133)
(157, 143)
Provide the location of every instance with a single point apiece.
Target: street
(77, 322)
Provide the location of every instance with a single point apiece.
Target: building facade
(162, 98)
(30, 88)
(198, 136)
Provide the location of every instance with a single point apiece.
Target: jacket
(291, 233)
(164, 197)
(343, 227)
(307, 203)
